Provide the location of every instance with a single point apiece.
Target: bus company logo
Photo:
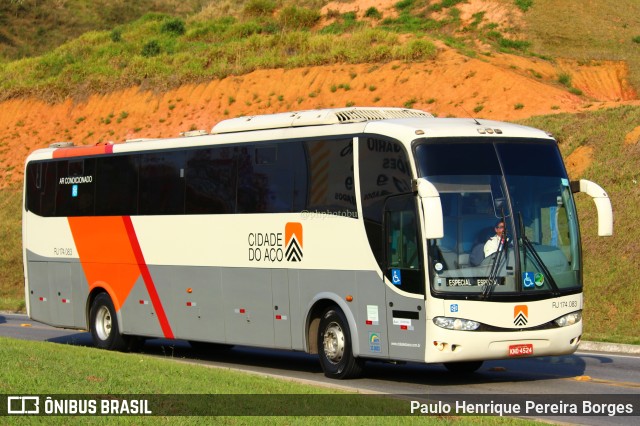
(293, 241)
(277, 246)
(520, 315)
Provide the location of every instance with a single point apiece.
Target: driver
(492, 244)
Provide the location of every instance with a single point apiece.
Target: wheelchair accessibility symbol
(528, 280)
(396, 277)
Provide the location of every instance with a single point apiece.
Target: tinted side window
(76, 187)
(299, 165)
(211, 181)
(384, 171)
(63, 192)
(265, 179)
(117, 186)
(330, 171)
(403, 252)
(41, 188)
(161, 183)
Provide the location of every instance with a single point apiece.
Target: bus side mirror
(431, 208)
(603, 204)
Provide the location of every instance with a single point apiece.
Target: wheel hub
(103, 323)
(333, 340)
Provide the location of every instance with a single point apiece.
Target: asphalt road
(590, 375)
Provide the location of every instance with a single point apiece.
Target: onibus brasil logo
(277, 246)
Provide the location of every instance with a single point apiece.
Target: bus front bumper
(456, 345)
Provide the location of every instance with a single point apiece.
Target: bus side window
(78, 194)
(117, 185)
(41, 188)
(211, 181)
(330, 171)
(384, 171)
(161, 183)
(403, 244)
(265, 179)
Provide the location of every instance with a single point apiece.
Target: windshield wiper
(527, 245)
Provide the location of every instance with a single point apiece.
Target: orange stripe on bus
(148, 279)
(80, 151)
(106, 255)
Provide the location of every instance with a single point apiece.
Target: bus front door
(404, 279)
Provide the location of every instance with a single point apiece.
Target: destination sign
(472, 281)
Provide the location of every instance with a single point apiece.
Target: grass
(161, 51)
(146, 53)
(31, 28)
(577, 30)
(100, 51)
(88, 371)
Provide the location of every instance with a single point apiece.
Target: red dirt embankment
(501, 87)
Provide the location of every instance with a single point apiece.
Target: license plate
(521, 350)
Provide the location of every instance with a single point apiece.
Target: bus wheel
(104, 325)
(466, 367)
(334, 346)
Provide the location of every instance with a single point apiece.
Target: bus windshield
(510, 226)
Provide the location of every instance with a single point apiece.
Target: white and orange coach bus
(355, 233)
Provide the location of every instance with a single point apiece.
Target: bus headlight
(569, 319)
(456, 323)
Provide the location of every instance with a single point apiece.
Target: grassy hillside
(34, 27)
(107, 45)
(587, 31)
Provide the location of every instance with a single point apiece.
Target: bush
(373, 13)
(564, 79)
(259, 7)
(514, 44)
(116, 35)
(150, 49)
(294, 17)
(576, 91)
(174, 26)
(417, 50)
(404, 5)
(524, 5)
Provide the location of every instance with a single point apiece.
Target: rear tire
(465, 367)
(334, 346)
(105, 330)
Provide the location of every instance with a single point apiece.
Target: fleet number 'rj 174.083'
(357, 234)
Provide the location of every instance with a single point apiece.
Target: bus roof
(409, 129)
(400, 123)
(314, 118)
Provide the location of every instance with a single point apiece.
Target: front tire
(334, 346)
(104, 326)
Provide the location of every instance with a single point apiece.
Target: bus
(353, 233)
